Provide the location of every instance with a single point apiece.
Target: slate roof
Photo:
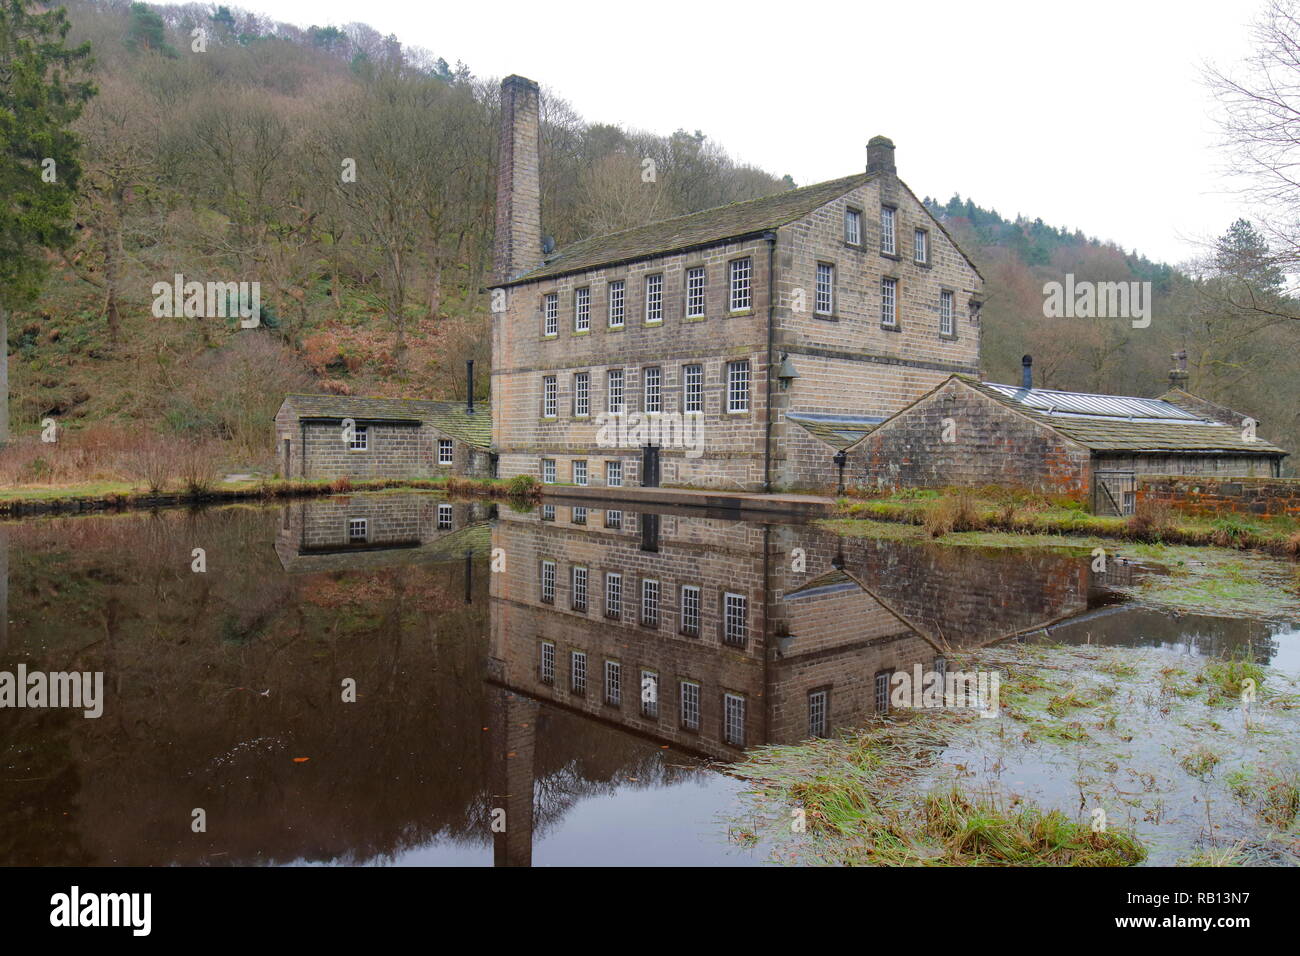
(449, 417)
(1124, 423)
(839, 431)
(703, 228)
(1202, 406)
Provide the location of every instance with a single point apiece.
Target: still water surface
(580, 677)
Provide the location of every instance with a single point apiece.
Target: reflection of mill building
(712, 635)
(741, 634)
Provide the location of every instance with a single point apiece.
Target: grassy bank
(1099, 756)
(939, 512)
(117, 495)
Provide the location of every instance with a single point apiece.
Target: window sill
(948, 338)
(582, 331)
(855, 246)
(615, 328)
(890, 328)
(924, 264)
(738, 313)
(826, 317)
(553, 335)
(695, 318)
(895, 257)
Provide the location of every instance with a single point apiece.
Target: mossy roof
(449, 417)
(707, 227)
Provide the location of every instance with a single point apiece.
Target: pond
(398, 679)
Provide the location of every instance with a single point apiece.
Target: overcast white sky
(1091, 115)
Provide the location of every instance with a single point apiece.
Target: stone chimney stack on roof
(1178, 374)
(518, 242)
(880, 155)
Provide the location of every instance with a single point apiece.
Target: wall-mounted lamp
(841, 458)
(787, 373)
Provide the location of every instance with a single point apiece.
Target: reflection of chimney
(513, 740)
(880, 155)
(518, 245)
(469, 386)
(1178, 374)
(1026, 371)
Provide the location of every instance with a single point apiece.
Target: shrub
(1150, 519)
(153, 461)
(524, 486)
(196, 465)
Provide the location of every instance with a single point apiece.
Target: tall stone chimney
(518, 245)
(880, 155)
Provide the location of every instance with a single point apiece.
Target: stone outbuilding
(388, 438)
(968, 433)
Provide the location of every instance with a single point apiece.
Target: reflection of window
(548, 512)
(547, 669)
(649, 694)
(735, 609)
(650, 603)
(613, 594)
(578, 672)
(733, 723)
(690, 610)
(817, 713)
(579, 588)
(444, 517)
(614, 519)
(548, 582)
(357, 529)
(360, 438)
(882, 691)
(690, 699)
(579, 514)
(613, 683)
